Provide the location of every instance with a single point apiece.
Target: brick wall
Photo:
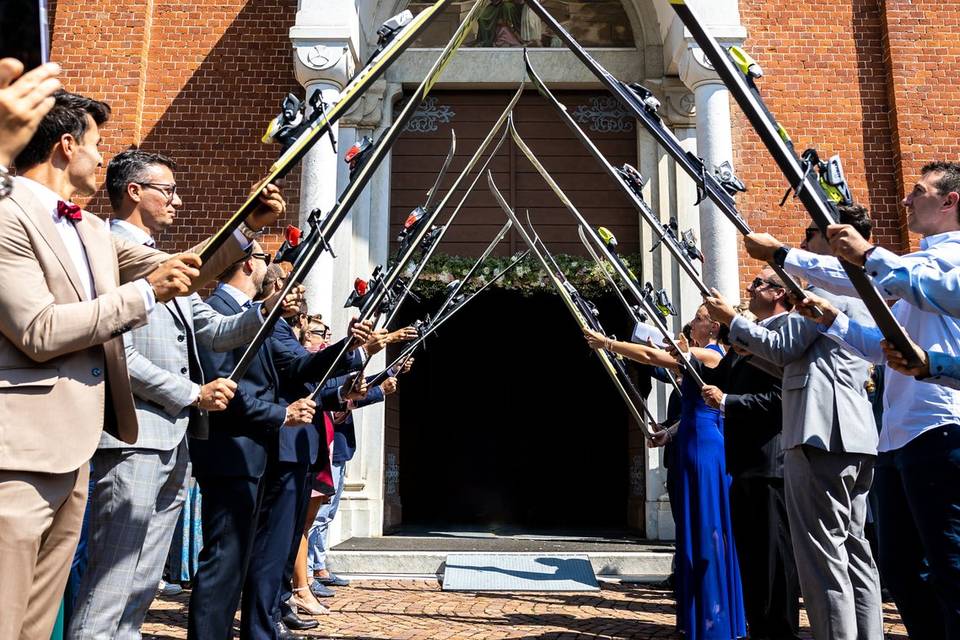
(870, 80)
(197, 81)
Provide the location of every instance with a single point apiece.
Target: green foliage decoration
(527, 278)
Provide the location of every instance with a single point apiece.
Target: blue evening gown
(709, 596)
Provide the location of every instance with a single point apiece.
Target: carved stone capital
(367, 112)
(326, 42)
(679, 106)
(695, 70)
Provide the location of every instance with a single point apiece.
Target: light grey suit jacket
(825, 403)
(158, 359)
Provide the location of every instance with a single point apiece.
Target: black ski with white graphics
(639, 293)
(586, 316)
(453, 302)
(680, 245)
(636, 314)
(372, 305)
(319, 239)
(297, 130)
(719, 186)
(739, 72)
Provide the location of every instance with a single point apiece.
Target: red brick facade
(195, 80)
(869, 79)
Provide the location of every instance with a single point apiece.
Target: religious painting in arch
(510, 23)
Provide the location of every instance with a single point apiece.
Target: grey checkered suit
(140, 488)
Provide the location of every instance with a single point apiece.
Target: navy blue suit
(230, 467)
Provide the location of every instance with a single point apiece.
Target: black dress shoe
(283, 633)
(293, 622)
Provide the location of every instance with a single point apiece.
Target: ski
(585, 315)
(634, 311)
(619, 267)
(319, 239)
(372, 303)
(298, 132)
(681, 246)
(452, 304)
(739, 73)
(719, 186)
(441, 231)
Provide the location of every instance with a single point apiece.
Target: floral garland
(527, 278)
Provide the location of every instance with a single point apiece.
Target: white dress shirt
(910, 407)
(71, 239)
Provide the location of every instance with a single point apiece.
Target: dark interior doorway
(508, 420)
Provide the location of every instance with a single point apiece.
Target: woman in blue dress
(709, 596)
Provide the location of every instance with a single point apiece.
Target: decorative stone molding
(695, 69)
(429, 115)
(391, 475)
(679, 107)
(367, 112)
(605, 115)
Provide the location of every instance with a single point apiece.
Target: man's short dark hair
(949, 181)
(858, 217)
(130, 166)
(68, 115)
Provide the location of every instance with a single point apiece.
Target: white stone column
(714, 143)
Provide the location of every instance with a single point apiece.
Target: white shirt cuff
(146, 291)
(194, 394)
(838, 330)
(723, 403)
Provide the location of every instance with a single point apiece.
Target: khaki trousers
(40, 519)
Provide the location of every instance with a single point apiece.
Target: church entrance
(507, 422)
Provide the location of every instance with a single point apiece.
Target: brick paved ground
(418, 609)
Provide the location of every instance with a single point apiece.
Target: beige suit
(61, 359)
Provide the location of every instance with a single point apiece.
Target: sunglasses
(258, 256)
(758, 283)
(320, 333)
(810, 232)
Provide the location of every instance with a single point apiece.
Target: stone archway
(660, 54)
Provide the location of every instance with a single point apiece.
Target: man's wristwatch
(780, 255)
(249, 233)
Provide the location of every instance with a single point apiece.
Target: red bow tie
(70, 211)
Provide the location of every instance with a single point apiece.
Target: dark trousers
(771, 589)
(271, 547)
(303, 504)
(229, 522)
(918, 528)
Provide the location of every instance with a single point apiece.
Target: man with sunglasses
(139, 487)
(829, 440)
(918, 478)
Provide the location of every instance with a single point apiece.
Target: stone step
(425, 557)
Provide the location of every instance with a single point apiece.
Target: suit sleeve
(137, 261)
(308, 367)
(753, 408)
(245, 407)
(155, 384)
(217, 332)
(781, 346)
(29, 316)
